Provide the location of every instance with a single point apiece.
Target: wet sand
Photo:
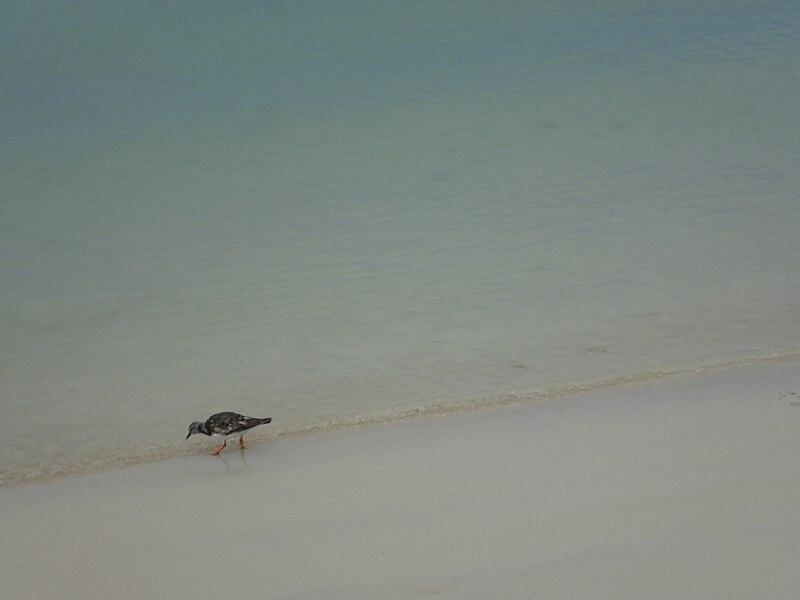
(681, 489)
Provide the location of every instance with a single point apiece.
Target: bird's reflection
(222, 458)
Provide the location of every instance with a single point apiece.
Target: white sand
(683, 489)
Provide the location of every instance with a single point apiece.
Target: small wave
(539, 394)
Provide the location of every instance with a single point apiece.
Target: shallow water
(326, 212)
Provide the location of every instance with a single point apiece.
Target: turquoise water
(332, 211)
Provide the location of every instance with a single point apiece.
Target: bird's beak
(188, 435)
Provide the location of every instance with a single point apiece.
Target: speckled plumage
(225, 425)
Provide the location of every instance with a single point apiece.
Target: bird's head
(195, 427)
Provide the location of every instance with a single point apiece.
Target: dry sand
(682, 489)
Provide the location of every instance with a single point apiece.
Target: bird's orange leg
(220, 449)
(241, 441)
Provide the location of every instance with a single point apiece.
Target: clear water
(329, 211)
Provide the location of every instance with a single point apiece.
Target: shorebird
(225, 425)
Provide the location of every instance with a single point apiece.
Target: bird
(225, 425)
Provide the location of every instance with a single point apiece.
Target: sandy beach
(686, 488)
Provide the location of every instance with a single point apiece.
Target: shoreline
(467, 405)
(680, 488)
